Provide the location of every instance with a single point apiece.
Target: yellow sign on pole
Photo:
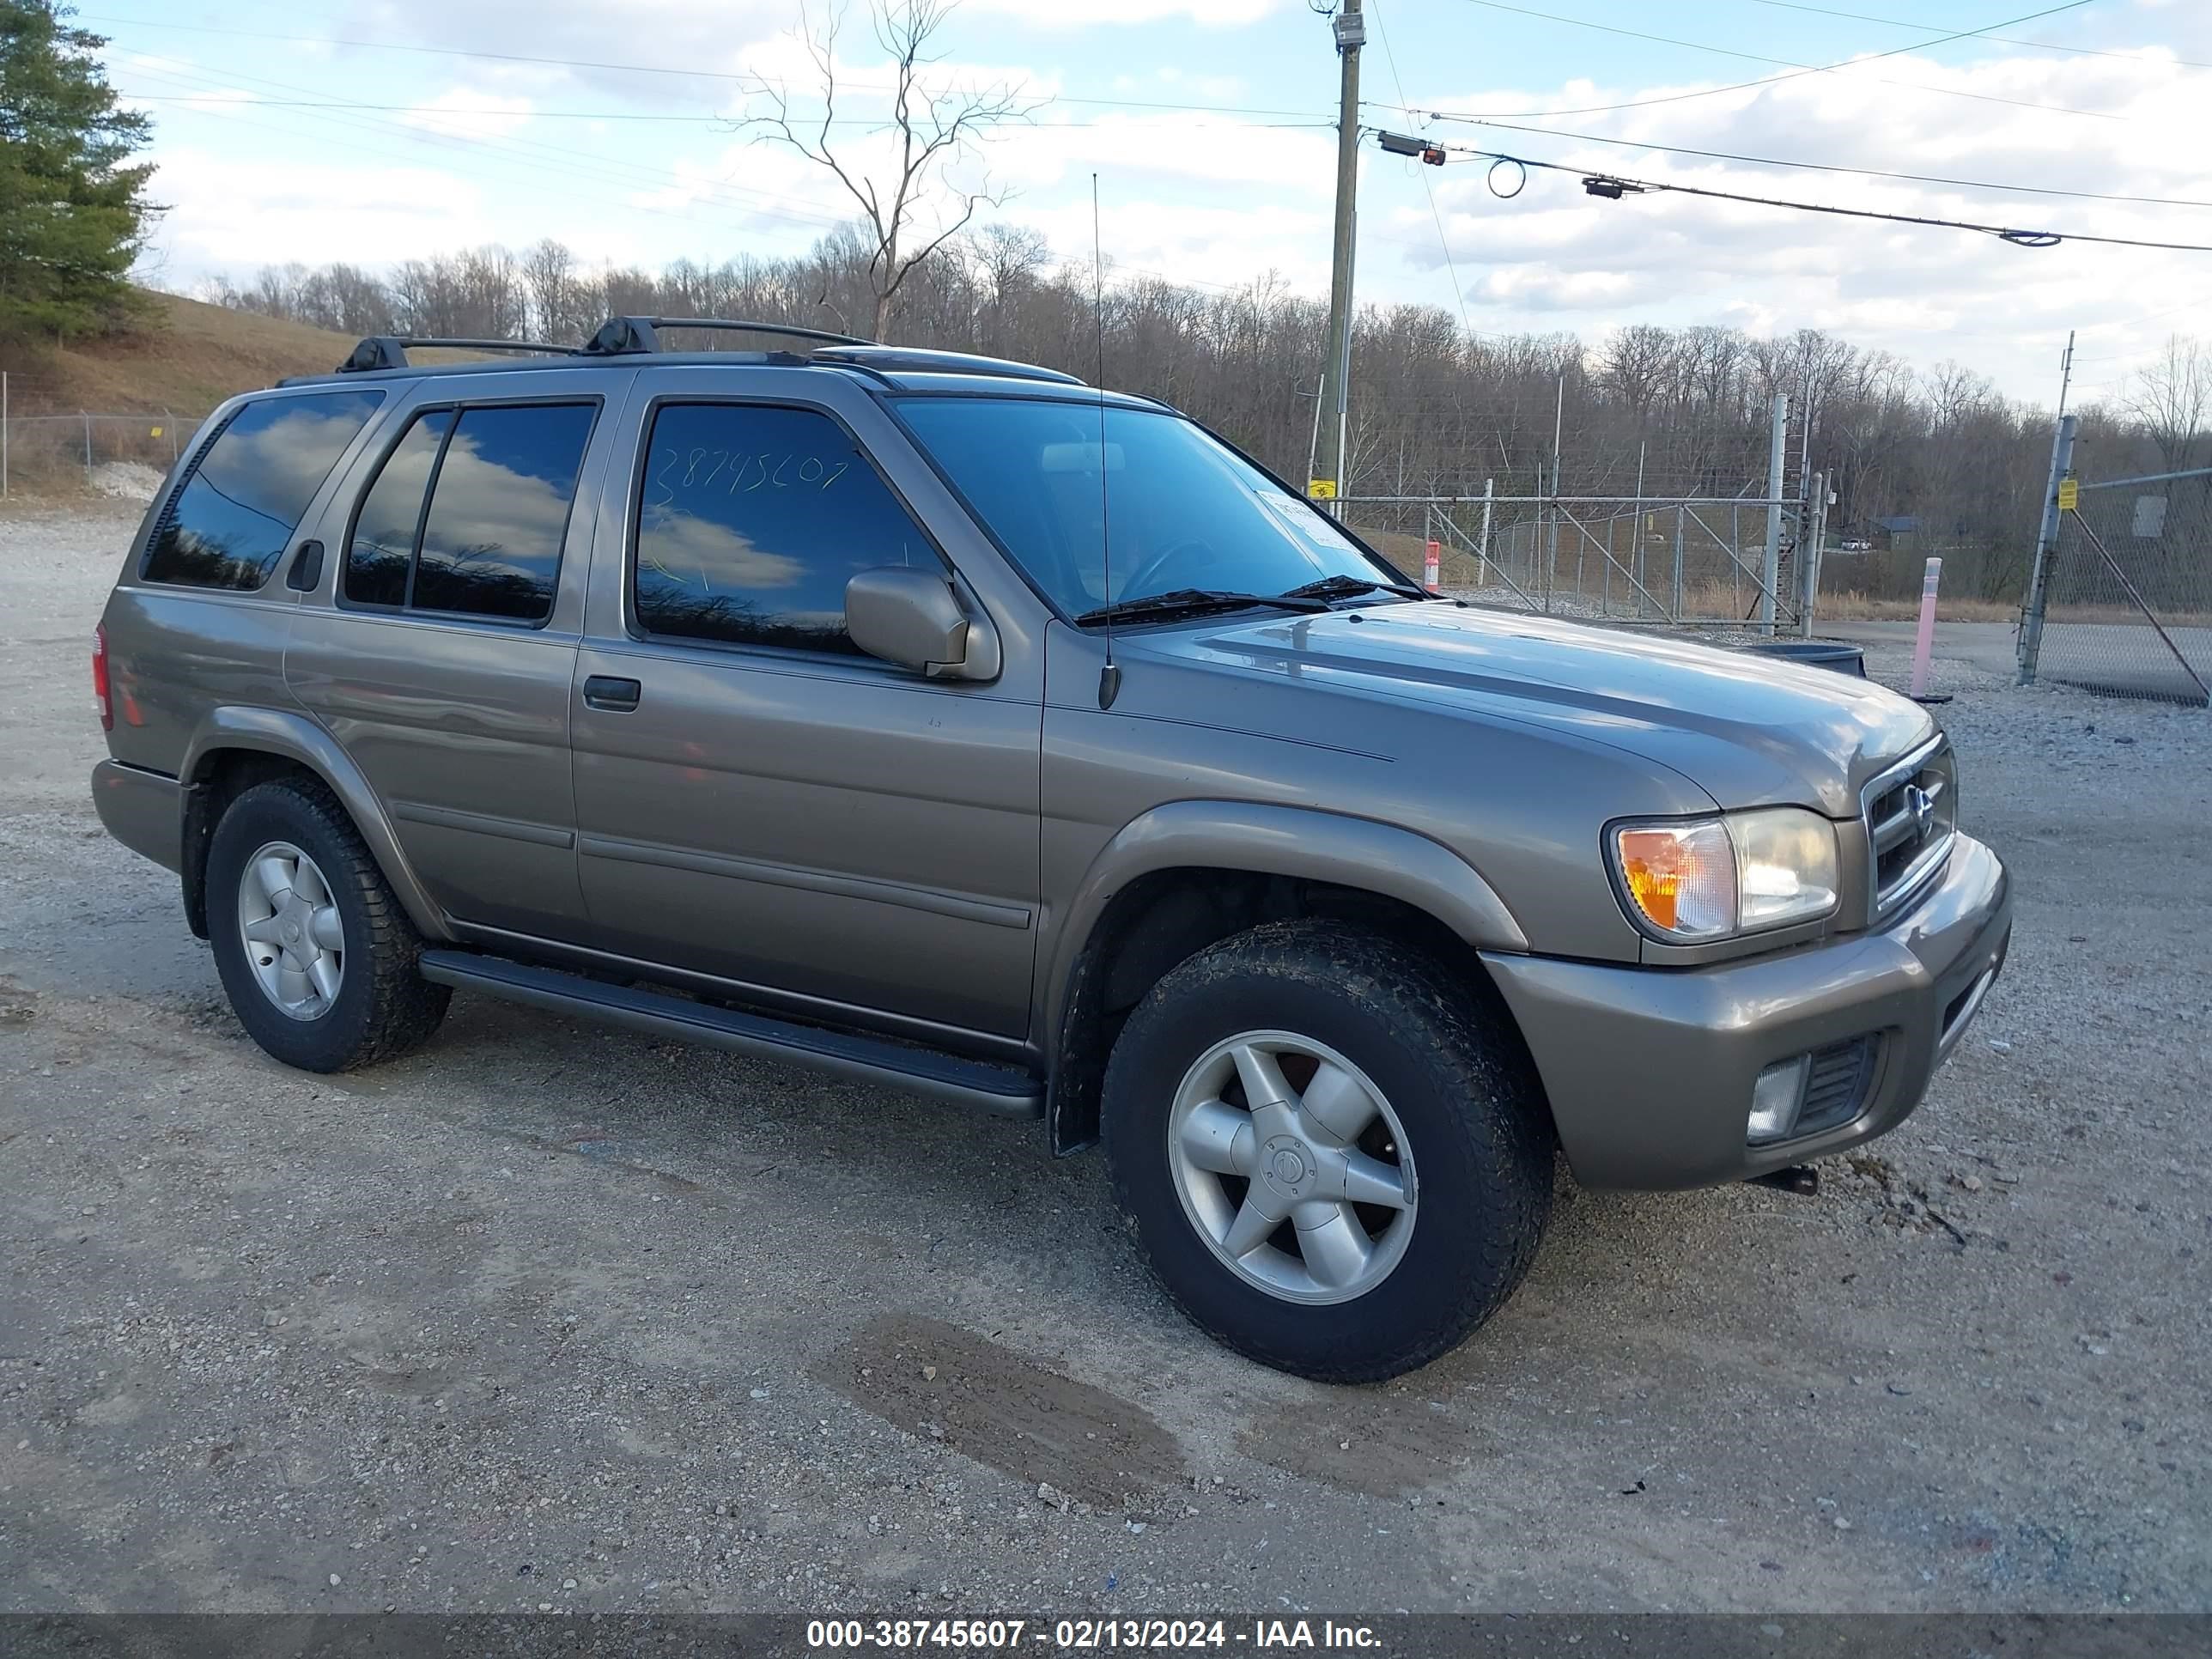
(1321, 489)
(156, 432)
(2070, 494)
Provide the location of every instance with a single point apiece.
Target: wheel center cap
(1286, 1164)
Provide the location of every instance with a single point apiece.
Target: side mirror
(913, 619)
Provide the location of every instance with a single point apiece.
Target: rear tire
(1391, 1246)
(312, 945)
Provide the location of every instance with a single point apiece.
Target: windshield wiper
(1195, 602)
(1343, 587)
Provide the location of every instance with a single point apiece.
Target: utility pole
(1351, 35)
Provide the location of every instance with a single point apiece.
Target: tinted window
(499, 509)
(1187, 512)
(230, 523)
(752, 521)
(501, 481)
(383, 544)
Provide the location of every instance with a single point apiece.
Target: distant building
(1898, 533)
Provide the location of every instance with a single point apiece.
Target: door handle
(616, 696)
(306, 568)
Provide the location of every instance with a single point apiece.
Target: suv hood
(1749, 730)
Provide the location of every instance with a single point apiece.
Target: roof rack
(621, 336)
(389, 350)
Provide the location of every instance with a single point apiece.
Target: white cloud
(1086, 14)
(232, 213)
(464, 112)
(1555, 257)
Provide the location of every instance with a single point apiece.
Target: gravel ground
(549, 1317)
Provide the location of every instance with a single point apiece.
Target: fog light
(1775, 1099)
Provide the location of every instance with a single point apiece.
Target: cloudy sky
(372, 130)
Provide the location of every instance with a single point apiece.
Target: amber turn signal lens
(1681, 877)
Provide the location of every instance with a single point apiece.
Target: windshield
(1185, 511)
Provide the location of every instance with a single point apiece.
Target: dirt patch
(989, 1403)
(1383, 1445)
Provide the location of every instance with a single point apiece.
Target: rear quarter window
(227, 526)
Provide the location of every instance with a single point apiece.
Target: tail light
(100, 694)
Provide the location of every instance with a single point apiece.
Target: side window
(382, 550)
(751, 521)
(228, 526)
(501, 480)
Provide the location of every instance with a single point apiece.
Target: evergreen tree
(73, 212)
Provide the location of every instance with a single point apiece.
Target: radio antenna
(1109, 677)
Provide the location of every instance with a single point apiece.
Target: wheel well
(222, 776)
(1163, 919)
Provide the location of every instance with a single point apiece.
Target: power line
(639, 173)
(1815, 167)
(1615, 186)
(526, 152)
(1787, 62)
(1774, 80)
(2002, 40)
(205, 99)
(619, 68)
(1435, 213)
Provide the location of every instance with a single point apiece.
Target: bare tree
(930, 125)
(2173, 400)
(549, 272)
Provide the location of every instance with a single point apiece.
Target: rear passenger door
(756, 799)
(440, 643)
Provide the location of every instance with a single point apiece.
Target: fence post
(3, 433)
(1809, 553)
(1677, 617)
(1482, 547)
(87, 443)
(1771, 567)
(2046, 549)
(170, 420)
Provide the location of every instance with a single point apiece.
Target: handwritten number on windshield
(692, 473)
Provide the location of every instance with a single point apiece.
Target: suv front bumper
(1650, 1071)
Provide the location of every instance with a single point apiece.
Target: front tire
(1336, 1160)
(317, 956)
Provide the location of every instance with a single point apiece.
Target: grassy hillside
(186, 357)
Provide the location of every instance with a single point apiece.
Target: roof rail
(389, 350)
(628, 336)
(921, 359)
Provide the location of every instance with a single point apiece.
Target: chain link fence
(2128, 593)
(1692, 560)
(118, 452)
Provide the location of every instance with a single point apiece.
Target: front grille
(1911, 815)
(1837, 1083)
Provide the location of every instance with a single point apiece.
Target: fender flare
(1300, 842)
(296, 737)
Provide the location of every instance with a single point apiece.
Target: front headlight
(1692, 880)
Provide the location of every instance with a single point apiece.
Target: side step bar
(1000, 1089)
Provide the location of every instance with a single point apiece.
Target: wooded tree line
(1436, 411)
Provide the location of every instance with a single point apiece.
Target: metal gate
(2124, 606)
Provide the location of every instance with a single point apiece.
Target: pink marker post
(1926, 642)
